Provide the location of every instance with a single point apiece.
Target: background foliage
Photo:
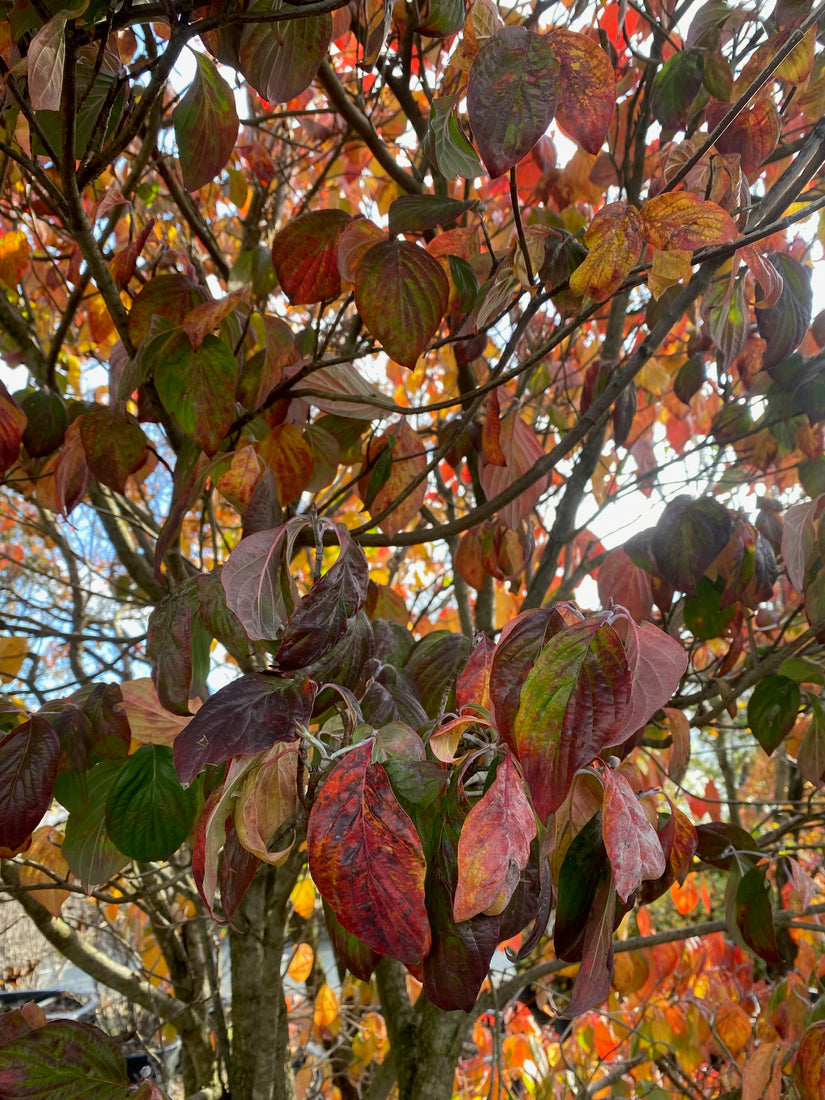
(341, 340)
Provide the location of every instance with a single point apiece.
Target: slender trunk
(261, 1063)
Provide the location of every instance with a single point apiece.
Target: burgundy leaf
(596, 970)
(247, 716)
(28, 768)
(257, 582)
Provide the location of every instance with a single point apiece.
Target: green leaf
(47, 422)
(705, 617)
(148, 813)
(63, 1060)
(280, 59)
(418, 213)
(97, 116)
(206, 125)
(87, 848)
(512, 95)
(675, 87)
(402, 293)
(772, 711)
(197, 388)
(452, 152)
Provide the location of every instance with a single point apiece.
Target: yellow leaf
(681, 220)
(668, 269)
(303, 897)
(326, 1007)
(14, 257)
(300, 965)
(12, 654)
(614, 239)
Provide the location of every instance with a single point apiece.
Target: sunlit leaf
(206, 125)
(614, 241)
(305, 255)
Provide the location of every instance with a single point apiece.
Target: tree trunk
(261, 1066)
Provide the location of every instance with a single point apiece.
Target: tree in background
(339, 329)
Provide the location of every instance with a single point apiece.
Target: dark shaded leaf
(675, 87)
(433, 664)
(783, 326)
(596, 971)
(351, 952)
(418, 213)
(584, 866)
(754, 915)
(148, 813)
(115, 446)
(366, 859)
(720, 843)
(257, 582)
(47, 424)
(28, 768)
(460, 955)
(773, 710)
(512, 95)
(249, 715)
(280, 60)
(687, 538)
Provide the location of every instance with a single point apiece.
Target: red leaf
(596, 970)
(522, 449)
(366, 859)
(657, 663)
(512, 95)
(473, 685)
(494, 846)
(13, 423)
(631, 842)
(257, 581)
(401, 293)
(206, 316)
(28, 768)
(213, 829)
(588, 88)
(206, 125)
(573, 703)
(491, 433)
(247, 716)
(305, 255)
(623, 582)
(809, 1067)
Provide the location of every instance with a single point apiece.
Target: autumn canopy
(376, 738)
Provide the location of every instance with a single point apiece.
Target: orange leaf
(682, 220)
(326, 1008)
(303, 897)
(300, 965)
(491, 432)
(238, 482)
(733, 1026)
(207, 316)
(407, 461)
(686, 897)
(289, 456)
(614, 238)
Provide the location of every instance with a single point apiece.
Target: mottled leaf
(809, 1066)
(452, 152)
(351, 952)
(366, 859)
(522, 449)
(587, 88)
(63, 1060)
(614, 241)
(403, 456)
(630, 840)
(573, 703)
(28, 768)
(289, 456)
(681, 220)
(115, 446)
(206, 125)
(197, 388)
(494, 845)
(280, 60)
(166, 297)
(512, 95)
(401, 293)
(305, 255)
(473, 684)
